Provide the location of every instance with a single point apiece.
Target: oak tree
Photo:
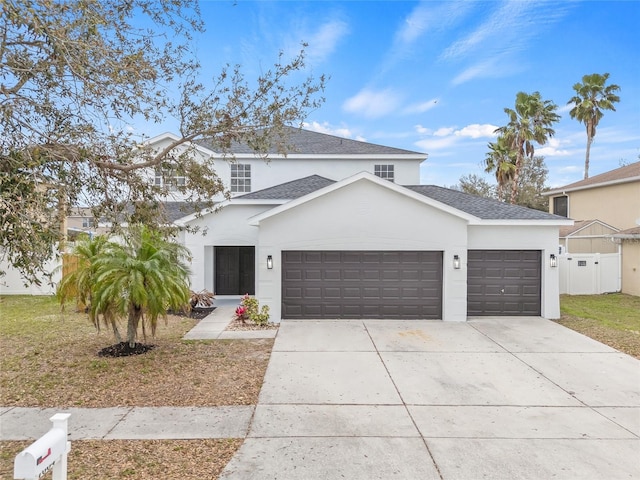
(76, 74)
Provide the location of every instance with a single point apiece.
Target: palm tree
(79, 283)
(500, 159)
(592, 97)
(530, 121)
(141, 278)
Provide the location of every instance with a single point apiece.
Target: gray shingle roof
(177, 210)
(290, 190)
(484, 208)
(313, 143)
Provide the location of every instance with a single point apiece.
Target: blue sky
(435, 77)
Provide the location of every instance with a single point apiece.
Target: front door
(235, 270)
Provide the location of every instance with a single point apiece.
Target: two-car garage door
(405, 284)
(361, 284)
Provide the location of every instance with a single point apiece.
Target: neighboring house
(603, 206)
(630, 241)
(612, 198)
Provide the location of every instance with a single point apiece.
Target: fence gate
(589, 273)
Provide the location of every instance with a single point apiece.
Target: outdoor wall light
(553, 261)
(269, 262)
(456, 262)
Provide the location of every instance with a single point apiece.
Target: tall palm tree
(592, 97)
(141, 278)
(500, 159)
(78, 284)
(530, 121)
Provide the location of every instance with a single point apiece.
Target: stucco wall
(631, 267)
(618, 205)
(227, 227)
(363, 216)
(522, 237)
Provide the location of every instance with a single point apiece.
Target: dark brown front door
(235, 270)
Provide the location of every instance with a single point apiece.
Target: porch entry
(235, 270)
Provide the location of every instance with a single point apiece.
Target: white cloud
(325, 127)
(324, 41)
(422, 130)
(552, 149)
(476, 130)
(426, 18)
(421, 107)
(494, 46)
(565, 108)
(372, 103)
(444, 131)
(436, 144)
(447, 137)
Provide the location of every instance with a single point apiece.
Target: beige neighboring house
(82, 221)
(606, 211)
(630, 240)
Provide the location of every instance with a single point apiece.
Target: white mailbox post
(49, 452)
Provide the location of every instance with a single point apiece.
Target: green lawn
(616, 310)
(613, 319)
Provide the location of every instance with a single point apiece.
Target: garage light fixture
(553, 261)
(456, 262)
(269, 262)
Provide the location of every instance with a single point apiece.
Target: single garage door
(503, 282)
(361, 284)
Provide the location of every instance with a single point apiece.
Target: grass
(613, 319)
(48, 358)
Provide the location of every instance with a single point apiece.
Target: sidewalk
(136, 423)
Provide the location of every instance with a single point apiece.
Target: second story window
(169, 178)
(561, 206)
(384, 171)
(87, 222)
(240, 178)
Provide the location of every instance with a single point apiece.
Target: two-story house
(343, 229)
(606, 210)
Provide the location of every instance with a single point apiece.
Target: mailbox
(40, 457)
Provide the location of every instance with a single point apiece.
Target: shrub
(249, 309)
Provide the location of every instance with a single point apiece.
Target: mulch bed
(123, 349)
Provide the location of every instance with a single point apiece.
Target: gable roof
(307, 142)
(469, 207)
(569, 230)
(628, 173)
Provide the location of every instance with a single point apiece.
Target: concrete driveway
(492, 398)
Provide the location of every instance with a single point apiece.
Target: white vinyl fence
(589, 273)
(13, 283)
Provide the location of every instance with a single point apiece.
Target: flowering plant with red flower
(241, 313)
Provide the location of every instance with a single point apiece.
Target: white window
(240, 178)
(87, 222)
(169, 178)
(384, 171)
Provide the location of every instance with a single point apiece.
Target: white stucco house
(341, 229)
